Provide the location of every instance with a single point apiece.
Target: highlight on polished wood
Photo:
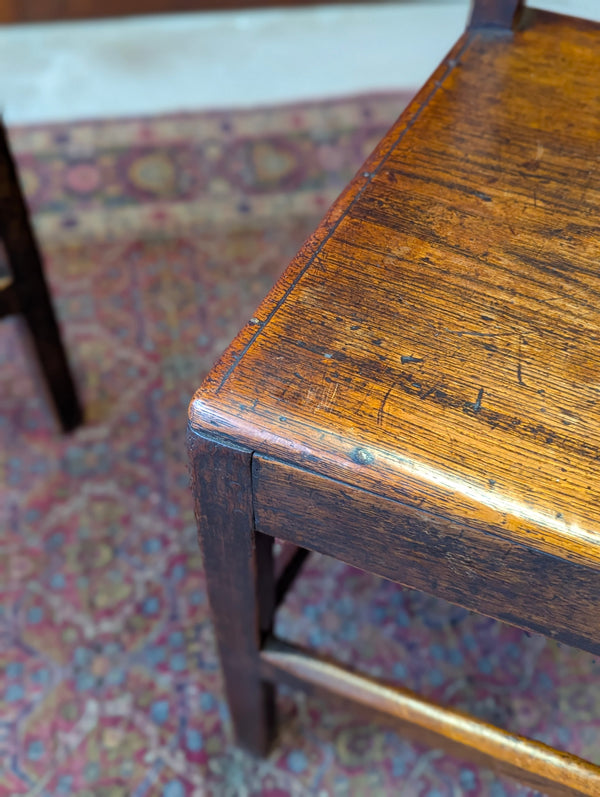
(418, 396)
(536, 764)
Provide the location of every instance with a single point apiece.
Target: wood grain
(241, 590)
(478, 570)
(437, 339)
(419, 394)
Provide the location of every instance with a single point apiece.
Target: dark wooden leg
(240, 579)
(31, 294)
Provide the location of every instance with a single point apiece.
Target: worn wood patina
(419, 394)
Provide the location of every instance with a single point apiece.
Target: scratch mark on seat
(382, 405)
(408, 358)
(475, 405)
(328, 398)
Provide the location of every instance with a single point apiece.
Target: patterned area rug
(161, 236)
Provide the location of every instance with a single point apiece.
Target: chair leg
(53, 364)
(240, 579)
(32, 294)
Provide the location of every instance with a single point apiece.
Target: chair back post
(499, 14)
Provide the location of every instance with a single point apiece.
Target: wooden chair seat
(418, 396)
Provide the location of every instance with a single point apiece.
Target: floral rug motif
(161, 236)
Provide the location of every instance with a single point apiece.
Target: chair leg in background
(30, 291)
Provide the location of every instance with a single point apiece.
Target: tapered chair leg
(240, 580)
(29, 292)
(53, 364)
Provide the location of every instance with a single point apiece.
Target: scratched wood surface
(514, 583)
(436, 340)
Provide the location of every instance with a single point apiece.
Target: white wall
(158, 64)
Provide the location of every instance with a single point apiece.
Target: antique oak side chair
(419, 394)
(24, 292)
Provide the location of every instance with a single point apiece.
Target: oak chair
(24, 292)
(419, 397)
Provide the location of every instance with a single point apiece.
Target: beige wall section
(161, 64)
(158, 64)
